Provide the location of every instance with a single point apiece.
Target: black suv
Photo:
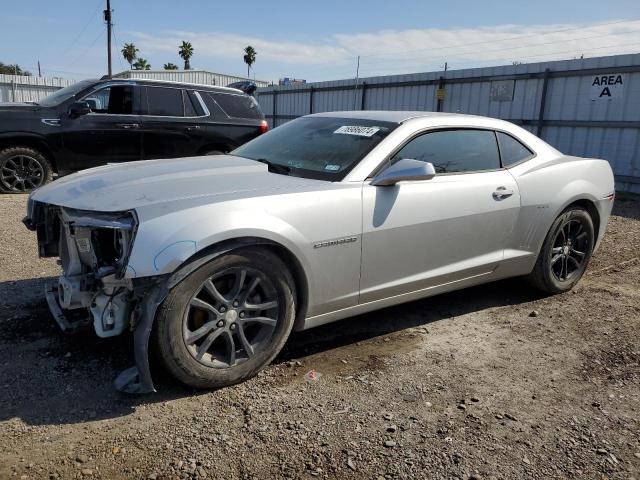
(94, 122)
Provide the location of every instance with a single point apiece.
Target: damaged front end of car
(93, 250)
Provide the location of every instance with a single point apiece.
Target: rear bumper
(604, 206)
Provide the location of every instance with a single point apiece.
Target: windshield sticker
(332, 168)
(357, 130)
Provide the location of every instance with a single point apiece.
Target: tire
(213, 152)
(181, 319)
(23, 169)
(576, 226)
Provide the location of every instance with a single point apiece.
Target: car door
(109, 133)
(418, 235)
(170, 127)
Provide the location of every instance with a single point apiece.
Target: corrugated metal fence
(563, 102)
(20, 88)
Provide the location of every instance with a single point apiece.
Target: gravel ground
(495, 381)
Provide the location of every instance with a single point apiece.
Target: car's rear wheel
(23, 169)
(213, 152)
(565, 253)
(227, 320)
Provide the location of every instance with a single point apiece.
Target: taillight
(264, 126)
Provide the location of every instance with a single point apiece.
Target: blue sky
(316, 40)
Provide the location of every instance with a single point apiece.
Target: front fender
(164, 243)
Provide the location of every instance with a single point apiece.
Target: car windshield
(317, 147)
(65, 93)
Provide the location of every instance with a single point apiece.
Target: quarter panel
(547, 187)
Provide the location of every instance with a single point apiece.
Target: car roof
(394, 116)
(151, 81)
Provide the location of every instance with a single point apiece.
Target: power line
(515, 47)
(447, 47)
(465, 65)
(516, 37)
(83, 29)
(117, 43)
(100, 33)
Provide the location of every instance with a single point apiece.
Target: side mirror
(405, 169)
(78, 109)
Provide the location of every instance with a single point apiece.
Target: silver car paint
(412, 240)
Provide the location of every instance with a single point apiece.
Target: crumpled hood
(126, 186)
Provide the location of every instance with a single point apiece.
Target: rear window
(165, 102)
(511, 150)
(238, 106)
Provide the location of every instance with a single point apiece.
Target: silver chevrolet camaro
(212, 261)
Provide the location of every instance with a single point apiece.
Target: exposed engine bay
(93, 249)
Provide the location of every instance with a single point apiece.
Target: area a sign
(607, 87)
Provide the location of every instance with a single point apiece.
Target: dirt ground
(496, 381)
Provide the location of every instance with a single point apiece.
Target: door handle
(128, 125)
(502, 192)
(191, 128)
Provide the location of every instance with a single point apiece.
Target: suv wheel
(227, 320)
(23, 169)
(565, 253)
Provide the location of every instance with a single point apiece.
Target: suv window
(212, 106)
(165, 102)
(454, 151)
(238, 106)
(114, 100)
(511, 150)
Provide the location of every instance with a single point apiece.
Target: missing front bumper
(67, 325)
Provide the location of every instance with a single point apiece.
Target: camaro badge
(339, 241)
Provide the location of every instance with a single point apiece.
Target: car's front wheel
(23, 169)
(227, 320)
(565, 253)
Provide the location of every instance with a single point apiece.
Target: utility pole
(107, 18)
(39, 71)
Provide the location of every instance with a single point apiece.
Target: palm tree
(249, 57)
(130, 53)
(141, 64)
(186, 52)
(170, 66)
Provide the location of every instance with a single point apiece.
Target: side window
(165, 102)
(511, 150)
(454, 151)
(191, 95)
(114, 100)
(189, 109)
(214, 109)
(238, 106)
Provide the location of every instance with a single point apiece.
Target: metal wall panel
(20, 88)
(572, 121)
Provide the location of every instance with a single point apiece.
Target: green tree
(186, 52)
(249, 57)
(141, 64)
(13, 70)
(170, 66)
(130, 53)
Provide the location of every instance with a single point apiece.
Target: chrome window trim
(202, 104)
